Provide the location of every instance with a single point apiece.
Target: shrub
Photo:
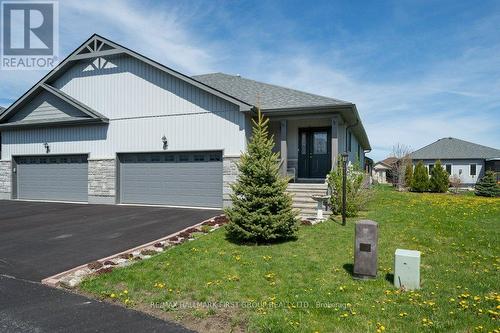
(262, 210)
(420, 181)
(487, 186)
(408, 174)
(439, 181)
(356, 196)
(455, 182)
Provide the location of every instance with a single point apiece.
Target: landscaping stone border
(71, 278)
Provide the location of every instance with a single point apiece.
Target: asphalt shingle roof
(266, 96)
(451, 148)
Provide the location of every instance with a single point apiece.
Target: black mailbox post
(365, 249)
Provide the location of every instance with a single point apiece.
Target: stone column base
(102, 181)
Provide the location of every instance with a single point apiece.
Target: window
(320, 142)
(155, 158)
(214, 157)
(199, 158)
(183, 158)
(359, 152)
(142, 158)
(303, 144)
(431, 166)
(349, 141)
(169, 158)
(448, 168)
(472, 169)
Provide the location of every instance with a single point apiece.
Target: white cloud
(159, 32)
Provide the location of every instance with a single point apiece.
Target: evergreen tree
(420, 181)
(408, 174)
(261, 210)
(488, 186)
(439, 181)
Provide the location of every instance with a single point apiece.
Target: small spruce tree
(439, 181)
(408, 174)
(420, 181)
(261, 209)
(488, 186)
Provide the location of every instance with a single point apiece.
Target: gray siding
(46, 107)
(143, 104)
(135, 89)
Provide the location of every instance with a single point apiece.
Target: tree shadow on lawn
(246, 243)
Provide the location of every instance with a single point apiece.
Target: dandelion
(112, 295)
(380, 328)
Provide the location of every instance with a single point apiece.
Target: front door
(315, 154)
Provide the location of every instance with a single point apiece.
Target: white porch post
(284, 150)
(335, 141)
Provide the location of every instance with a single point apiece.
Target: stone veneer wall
(230, 174)
(5, 179)
(102, 181)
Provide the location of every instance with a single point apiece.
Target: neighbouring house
(460, 158)
(109, 125)
(382, 170)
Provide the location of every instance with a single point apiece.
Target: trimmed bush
(356, 196)
(439, 181)
(488, 186)
(420, 181)
(262, 209)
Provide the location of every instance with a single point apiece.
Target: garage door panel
(61, 178)
(168, 179)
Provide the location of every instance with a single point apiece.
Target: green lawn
(305, 285)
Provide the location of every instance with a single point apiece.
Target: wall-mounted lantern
(47, 147)
(165, 142)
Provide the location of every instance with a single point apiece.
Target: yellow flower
(112, 295)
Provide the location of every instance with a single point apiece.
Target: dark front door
(315, 154)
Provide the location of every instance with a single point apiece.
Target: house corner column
(5, 179)
(284, 148)
(102, 181)
(335, 141)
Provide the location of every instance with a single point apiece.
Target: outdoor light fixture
(165, 142)
(345, 156)
(47, 147)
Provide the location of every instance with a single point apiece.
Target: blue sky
(417, 70)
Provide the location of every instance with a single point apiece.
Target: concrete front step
(307, 186)
(312, 213)
(302, 197)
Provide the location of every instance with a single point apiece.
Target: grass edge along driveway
(306, 286)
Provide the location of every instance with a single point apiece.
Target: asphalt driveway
(38, 240)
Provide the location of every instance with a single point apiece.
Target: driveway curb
(54, 280)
